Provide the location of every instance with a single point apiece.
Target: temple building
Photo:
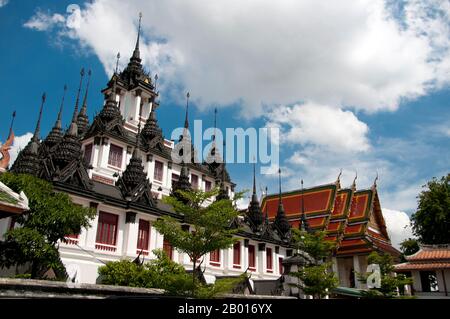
(429, 269)
(120, 164)
(352, 219)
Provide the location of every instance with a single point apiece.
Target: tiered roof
(352, 219)
(429, 257)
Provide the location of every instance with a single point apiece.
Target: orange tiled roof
(422, 266)
(431, 253)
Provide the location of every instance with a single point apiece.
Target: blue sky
(357, 87)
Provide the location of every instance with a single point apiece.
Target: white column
(261, 261)
(227, 260)
(132, 230)
(105, 155)
(137, 107)
(91, 233)
(96, 154)
(244, 254)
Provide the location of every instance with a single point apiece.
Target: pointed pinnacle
(38, 124)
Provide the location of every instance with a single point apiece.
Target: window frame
(143, 237)
(110, 243)
(155, 178)
(110, 160)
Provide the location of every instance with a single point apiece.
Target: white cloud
(19, 143)
(310, 123)
(398, 226)
(343, 53)
(43, 21)
(3, 3)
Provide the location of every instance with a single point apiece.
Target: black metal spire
(304, 223)
(136, 53)
(12, 123)
(27, 161)
(151, 127)
(281, 222)
(254, 210)
(182, 183)
(134, 173)
(110, 109)
(56, 134)
(223, 193)
(73, 129)
(70, 147)
(82, 119)
(37, 130)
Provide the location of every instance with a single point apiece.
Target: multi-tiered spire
(56, 133)
(28, 160)
(254, 210)
(151, 127)
(82, 119)
(281, 221)
(70, 147)
(134, 174)
(110, 110)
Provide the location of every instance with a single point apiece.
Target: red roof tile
(435, 253)
(422, 266)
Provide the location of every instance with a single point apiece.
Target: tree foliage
(162, 273)
(431, 221)
(51, 216)
(210, 224)
(389, 281)
(315, 277)
(408, 247)
(313, 243)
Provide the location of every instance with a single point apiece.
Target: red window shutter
(158, 173)
(237, 255)
(143, 235)
(115, 156)
(107, 228)
(207, 186)
(194, 181)
(251, 257)
(167, 247)
(269, 261)
(214, 257)
(88, 153)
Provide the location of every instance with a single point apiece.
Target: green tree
(51, 216)
(431, 221)
(315, 277)
(389, 281)
(162, 273)
(408, 247)
(210, 225)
